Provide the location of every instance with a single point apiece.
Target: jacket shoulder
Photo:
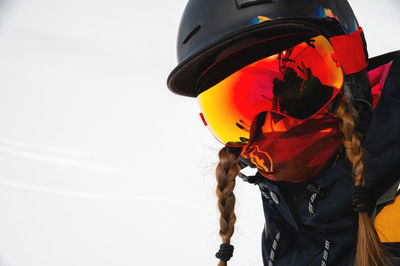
(383, 59)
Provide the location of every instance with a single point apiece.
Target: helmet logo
(325, 13)
(259, 19)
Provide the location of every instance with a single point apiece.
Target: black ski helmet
(210, 29)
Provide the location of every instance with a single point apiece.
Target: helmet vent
(191, 34)
(247, 3)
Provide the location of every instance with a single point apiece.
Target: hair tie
(360, 199)
(225, 252)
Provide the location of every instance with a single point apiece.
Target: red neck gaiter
(288, 149)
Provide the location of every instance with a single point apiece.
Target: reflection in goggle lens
(296, 82)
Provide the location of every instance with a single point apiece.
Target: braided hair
(226, 172)
(353, 123)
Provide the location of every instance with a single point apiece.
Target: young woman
(286, 86)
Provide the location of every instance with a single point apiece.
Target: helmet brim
(182, 80)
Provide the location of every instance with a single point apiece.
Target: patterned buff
(288, 149)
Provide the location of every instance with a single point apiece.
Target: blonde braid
(226, 172)
(369, 251)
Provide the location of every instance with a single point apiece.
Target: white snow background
(100, 164)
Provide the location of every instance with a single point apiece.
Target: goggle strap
(349, 51)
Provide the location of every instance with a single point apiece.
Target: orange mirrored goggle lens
(297, 82)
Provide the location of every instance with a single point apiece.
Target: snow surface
(100, 163)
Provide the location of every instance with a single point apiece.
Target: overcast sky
(100, 163)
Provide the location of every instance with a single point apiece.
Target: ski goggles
(297, 82)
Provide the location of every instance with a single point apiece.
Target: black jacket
(313, 223)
